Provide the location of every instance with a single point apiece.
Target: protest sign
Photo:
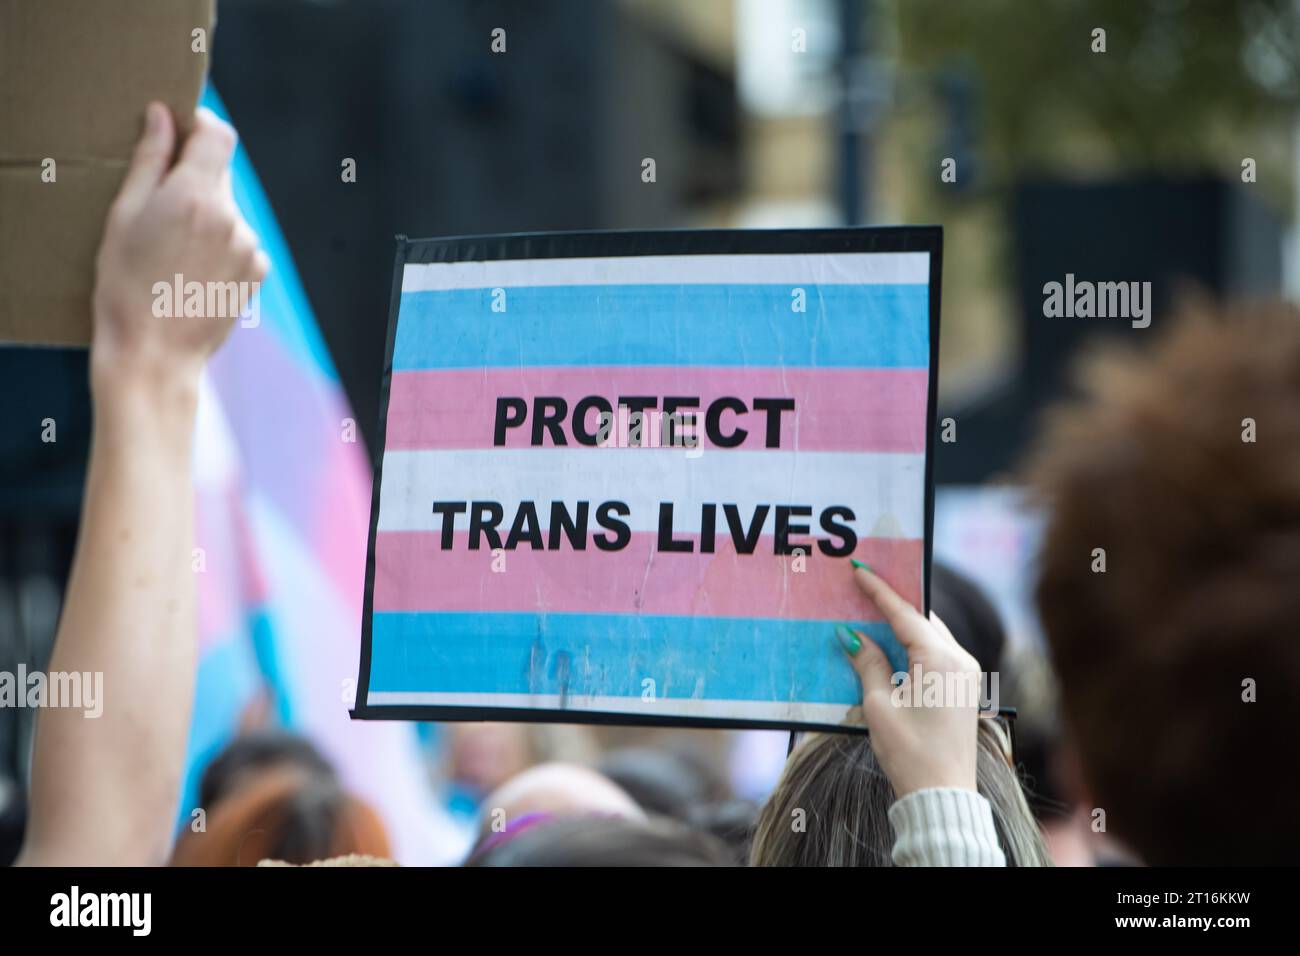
(621, 475)
(75, 77)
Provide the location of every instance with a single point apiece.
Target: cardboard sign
(622, 474)
(75, 76)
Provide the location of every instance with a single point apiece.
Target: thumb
(153, 155)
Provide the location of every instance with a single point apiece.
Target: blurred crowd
(1144, 730)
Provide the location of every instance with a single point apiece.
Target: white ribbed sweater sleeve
(944, 826)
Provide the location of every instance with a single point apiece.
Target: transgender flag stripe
(845, 326)
(835, 409)
(857, 268)
(421, 577)
(885, 492)
(701, 658)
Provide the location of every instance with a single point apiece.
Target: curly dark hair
(1183, 467)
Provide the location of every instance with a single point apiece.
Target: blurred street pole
(855, 73)
(1291, 247)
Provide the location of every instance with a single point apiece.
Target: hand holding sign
(926, 746)
(169, 221)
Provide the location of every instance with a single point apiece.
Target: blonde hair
(830, 807)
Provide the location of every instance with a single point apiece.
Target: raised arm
(105, 789)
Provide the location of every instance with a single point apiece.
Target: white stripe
(885, 490)
(215, 453)
(833, 268)
(785, 712)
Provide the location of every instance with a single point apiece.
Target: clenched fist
(168, 221)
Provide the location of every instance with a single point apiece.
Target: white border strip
(782, 711)
(831, 268)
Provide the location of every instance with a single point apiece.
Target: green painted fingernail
(860, 564)
(847, 638)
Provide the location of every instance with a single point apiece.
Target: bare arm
(104, 790)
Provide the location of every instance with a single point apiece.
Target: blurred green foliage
(1183, 85)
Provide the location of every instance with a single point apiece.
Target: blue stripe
(226, 682)
(845, 326)
(610, 655)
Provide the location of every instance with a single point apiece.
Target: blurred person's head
(285, 814)
(731, 822)
(557, 790)
(970, 616)
(250, 755)
(13, 819)
(1181, 470)
(1041, 750)
(663, 782)
(831, 805)
(605, 841)
(482, 756)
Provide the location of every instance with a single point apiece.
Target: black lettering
(784, 528)
(849, 540)
(526, 515)
(477, 526)
(548, 414)
(448, 510)
(713, 417)
(505, 420)
(666, 540)
(561, 523)
(675, 422)
(774, 407)
(636, 406)
(622, 533)
(580, 433)
(746, 541)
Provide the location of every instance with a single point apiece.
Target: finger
(208, 149)
(895, 608)
(868, 660)
(261, 265)
(152, 156)
(242, 236)
(227, 189)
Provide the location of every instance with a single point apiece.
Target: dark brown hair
(1183, 466)
(287, 815)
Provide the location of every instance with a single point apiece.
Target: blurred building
(452, 138)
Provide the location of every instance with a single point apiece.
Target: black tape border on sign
(595, 244)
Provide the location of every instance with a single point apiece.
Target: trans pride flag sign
(623, 474)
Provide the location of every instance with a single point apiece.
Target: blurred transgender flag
(283, 505)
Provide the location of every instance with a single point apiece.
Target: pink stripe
(413, 574)
(835, 409)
